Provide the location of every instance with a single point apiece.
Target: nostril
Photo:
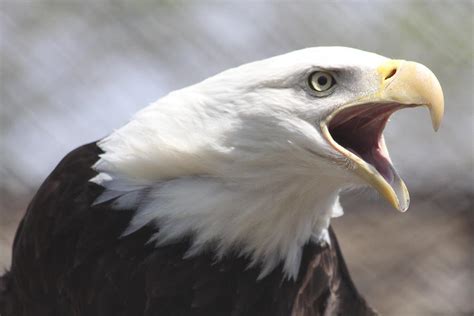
(391, 74)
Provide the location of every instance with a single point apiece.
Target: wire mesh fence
(73, 71)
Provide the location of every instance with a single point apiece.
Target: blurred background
(72, 71)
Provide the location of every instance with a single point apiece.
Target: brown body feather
(69, 259)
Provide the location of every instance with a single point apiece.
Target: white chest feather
(268, 224)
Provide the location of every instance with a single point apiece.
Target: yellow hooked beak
(412, 84)
(405, 84)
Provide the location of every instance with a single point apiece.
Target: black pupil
(322, 80)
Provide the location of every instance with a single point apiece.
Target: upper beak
(408, 84)
(412, 83)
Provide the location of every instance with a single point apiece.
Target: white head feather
(238, 161)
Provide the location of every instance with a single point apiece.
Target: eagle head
(253, 159)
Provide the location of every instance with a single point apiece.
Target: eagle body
(217, 198)
(69, 259)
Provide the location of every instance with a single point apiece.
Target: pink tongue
(376, 158)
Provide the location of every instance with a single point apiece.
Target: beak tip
(436, 123)
(437, 113)
(403, 207)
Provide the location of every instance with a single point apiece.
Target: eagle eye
(321, 81)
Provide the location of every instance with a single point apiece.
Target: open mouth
(357, 130)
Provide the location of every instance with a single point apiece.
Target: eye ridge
(321, 81)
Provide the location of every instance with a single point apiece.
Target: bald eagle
(217, 198)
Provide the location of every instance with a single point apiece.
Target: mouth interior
(358, 129)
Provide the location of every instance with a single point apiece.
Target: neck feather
(251, 187)
(269, 225)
